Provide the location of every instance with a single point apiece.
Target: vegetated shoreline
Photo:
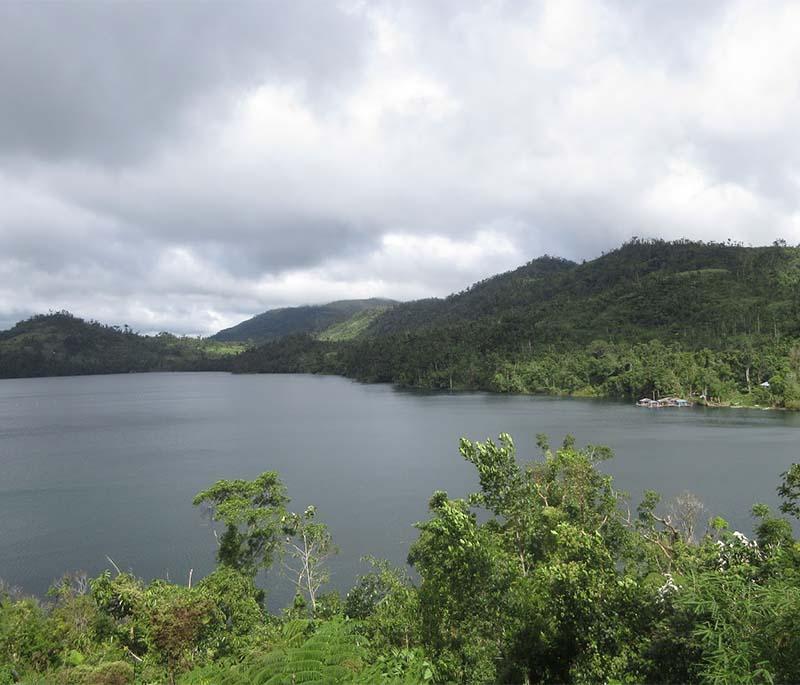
(697, 402)
(615, 399)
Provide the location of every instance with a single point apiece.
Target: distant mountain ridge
(310, 319)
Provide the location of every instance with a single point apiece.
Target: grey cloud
(282, 243)
(7, 320)
(110, 80)
(251, 242)
(185, 165)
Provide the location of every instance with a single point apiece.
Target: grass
(352, 328)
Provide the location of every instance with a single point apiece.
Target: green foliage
(789, 491)
(27, 638)
(60, 344)
(354, 327)
(334, 653)
(176, 627)
(708, 321)
(745, 632)
(238, 611)
(541, 575)
(771, 531)
(518, 597)
(387, 603)
(322, 319)
(253, 514)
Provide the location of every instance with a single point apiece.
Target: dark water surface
(108, 465)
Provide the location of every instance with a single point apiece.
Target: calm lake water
(108, 465)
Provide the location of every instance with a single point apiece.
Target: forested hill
(60, 344)
(699, 292)
(696, 319)
(278, 323)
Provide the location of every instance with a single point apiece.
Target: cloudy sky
(184, 165)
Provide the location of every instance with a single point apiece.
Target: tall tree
(253, 512)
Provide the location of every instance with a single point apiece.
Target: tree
(253, 513)
(464, 595)
(178, 618)
(309, 545)
(686, 509)
(529, 594)
(388, 603)
(789, 490)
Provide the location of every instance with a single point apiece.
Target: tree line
(60, 344)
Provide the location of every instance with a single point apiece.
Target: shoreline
(555, 393)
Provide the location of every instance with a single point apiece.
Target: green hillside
(278, 323)
(354, 327)
(696, 291)
(60, 344)
(708, 320)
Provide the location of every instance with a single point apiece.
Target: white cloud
(438, 144)
(749, 84)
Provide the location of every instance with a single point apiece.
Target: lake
(108, 465)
